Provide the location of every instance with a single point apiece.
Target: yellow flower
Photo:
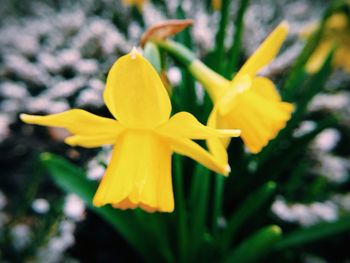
(216, 4)
(144, 138)
(248, 102)
(138, 3)
(336, 33)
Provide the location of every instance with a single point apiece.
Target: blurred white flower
(325, 211)
(305, 215)
(3, 200)
(4, 133)
(89, 97)
(53, 251)
(74, 207)
(338, 101)
(95, 170)
(304, 128)
(334, 168)
(13, 90)
(68, 57)
(326, 140)
(20, 236)
(41, 206)
(203, 30)
(86, 66)
(174, 75)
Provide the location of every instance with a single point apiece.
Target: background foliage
(289, 203)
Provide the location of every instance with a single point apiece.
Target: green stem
(180, 52)
(199, 208)
(220, 36)
(212, 81)
(181, 216)
(218, 197)
(233, 54)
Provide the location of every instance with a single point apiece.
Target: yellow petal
(338, 21)
(216, 4)
(342, 58)
(139, 174)
(85, 125)
(266, 52)
(184, 124)
(319, 56)
(217, 146)
(191, 149)
(238, 85)
(134, 93)
(138, 3)
(259, 118)
(265, 88)
(90, 141)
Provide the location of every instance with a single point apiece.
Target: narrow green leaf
(180, 211)
(220, 37)
(199, 207)
(255, 247)
(218, 197)
(314, 233)
(234, 52)
(247, 209)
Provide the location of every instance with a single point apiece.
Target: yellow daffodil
(336, 33)
(144, 138)
(216, 4)
(248, 102)
(138, 3)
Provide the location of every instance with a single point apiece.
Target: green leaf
(220, 37)
(248, 208)
(72, 179)
(314, 233)
(180, 211)
(218, 200)
(199, 197)
(234, 52)
(255, 247)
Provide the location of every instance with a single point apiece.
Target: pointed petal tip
(70, 141)
(236, 133)
(134, 53)
(285, 25)
(25, 117)
(45, 156)
(227, 170)
(30, 119)
(276, 229)
(229, 133)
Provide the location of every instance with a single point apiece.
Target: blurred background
(54, 55)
